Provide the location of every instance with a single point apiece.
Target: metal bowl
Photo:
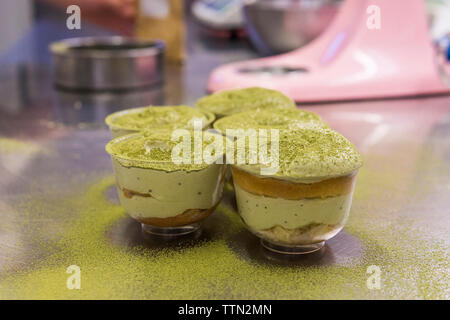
(277, 26)
(107, 63)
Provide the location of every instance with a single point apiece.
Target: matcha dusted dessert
(168, 183)
(312, 155)
(225, 103)
(307, 200)
(154, 117)
(270, 119)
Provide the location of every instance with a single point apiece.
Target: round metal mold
(107, 63)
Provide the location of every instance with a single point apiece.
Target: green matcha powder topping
(270, 119)
(234, 101)
(153, 149)
(170, 117)
(311, 153)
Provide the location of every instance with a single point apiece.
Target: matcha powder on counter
(8, 145)
(213, 269)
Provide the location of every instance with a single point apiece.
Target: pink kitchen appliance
(372, 49)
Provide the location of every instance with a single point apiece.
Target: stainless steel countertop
(52, 152)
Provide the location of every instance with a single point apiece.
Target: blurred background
(320, 50)
(198, 35)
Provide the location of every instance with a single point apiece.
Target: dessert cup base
(170, 231)
(292, 249)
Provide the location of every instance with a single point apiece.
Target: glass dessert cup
(166, 203)
(119, 129)
(265, 119)
(291, 217)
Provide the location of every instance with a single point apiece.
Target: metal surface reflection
(73, 108)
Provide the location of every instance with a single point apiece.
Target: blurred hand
(123, 8)
(118, 15)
